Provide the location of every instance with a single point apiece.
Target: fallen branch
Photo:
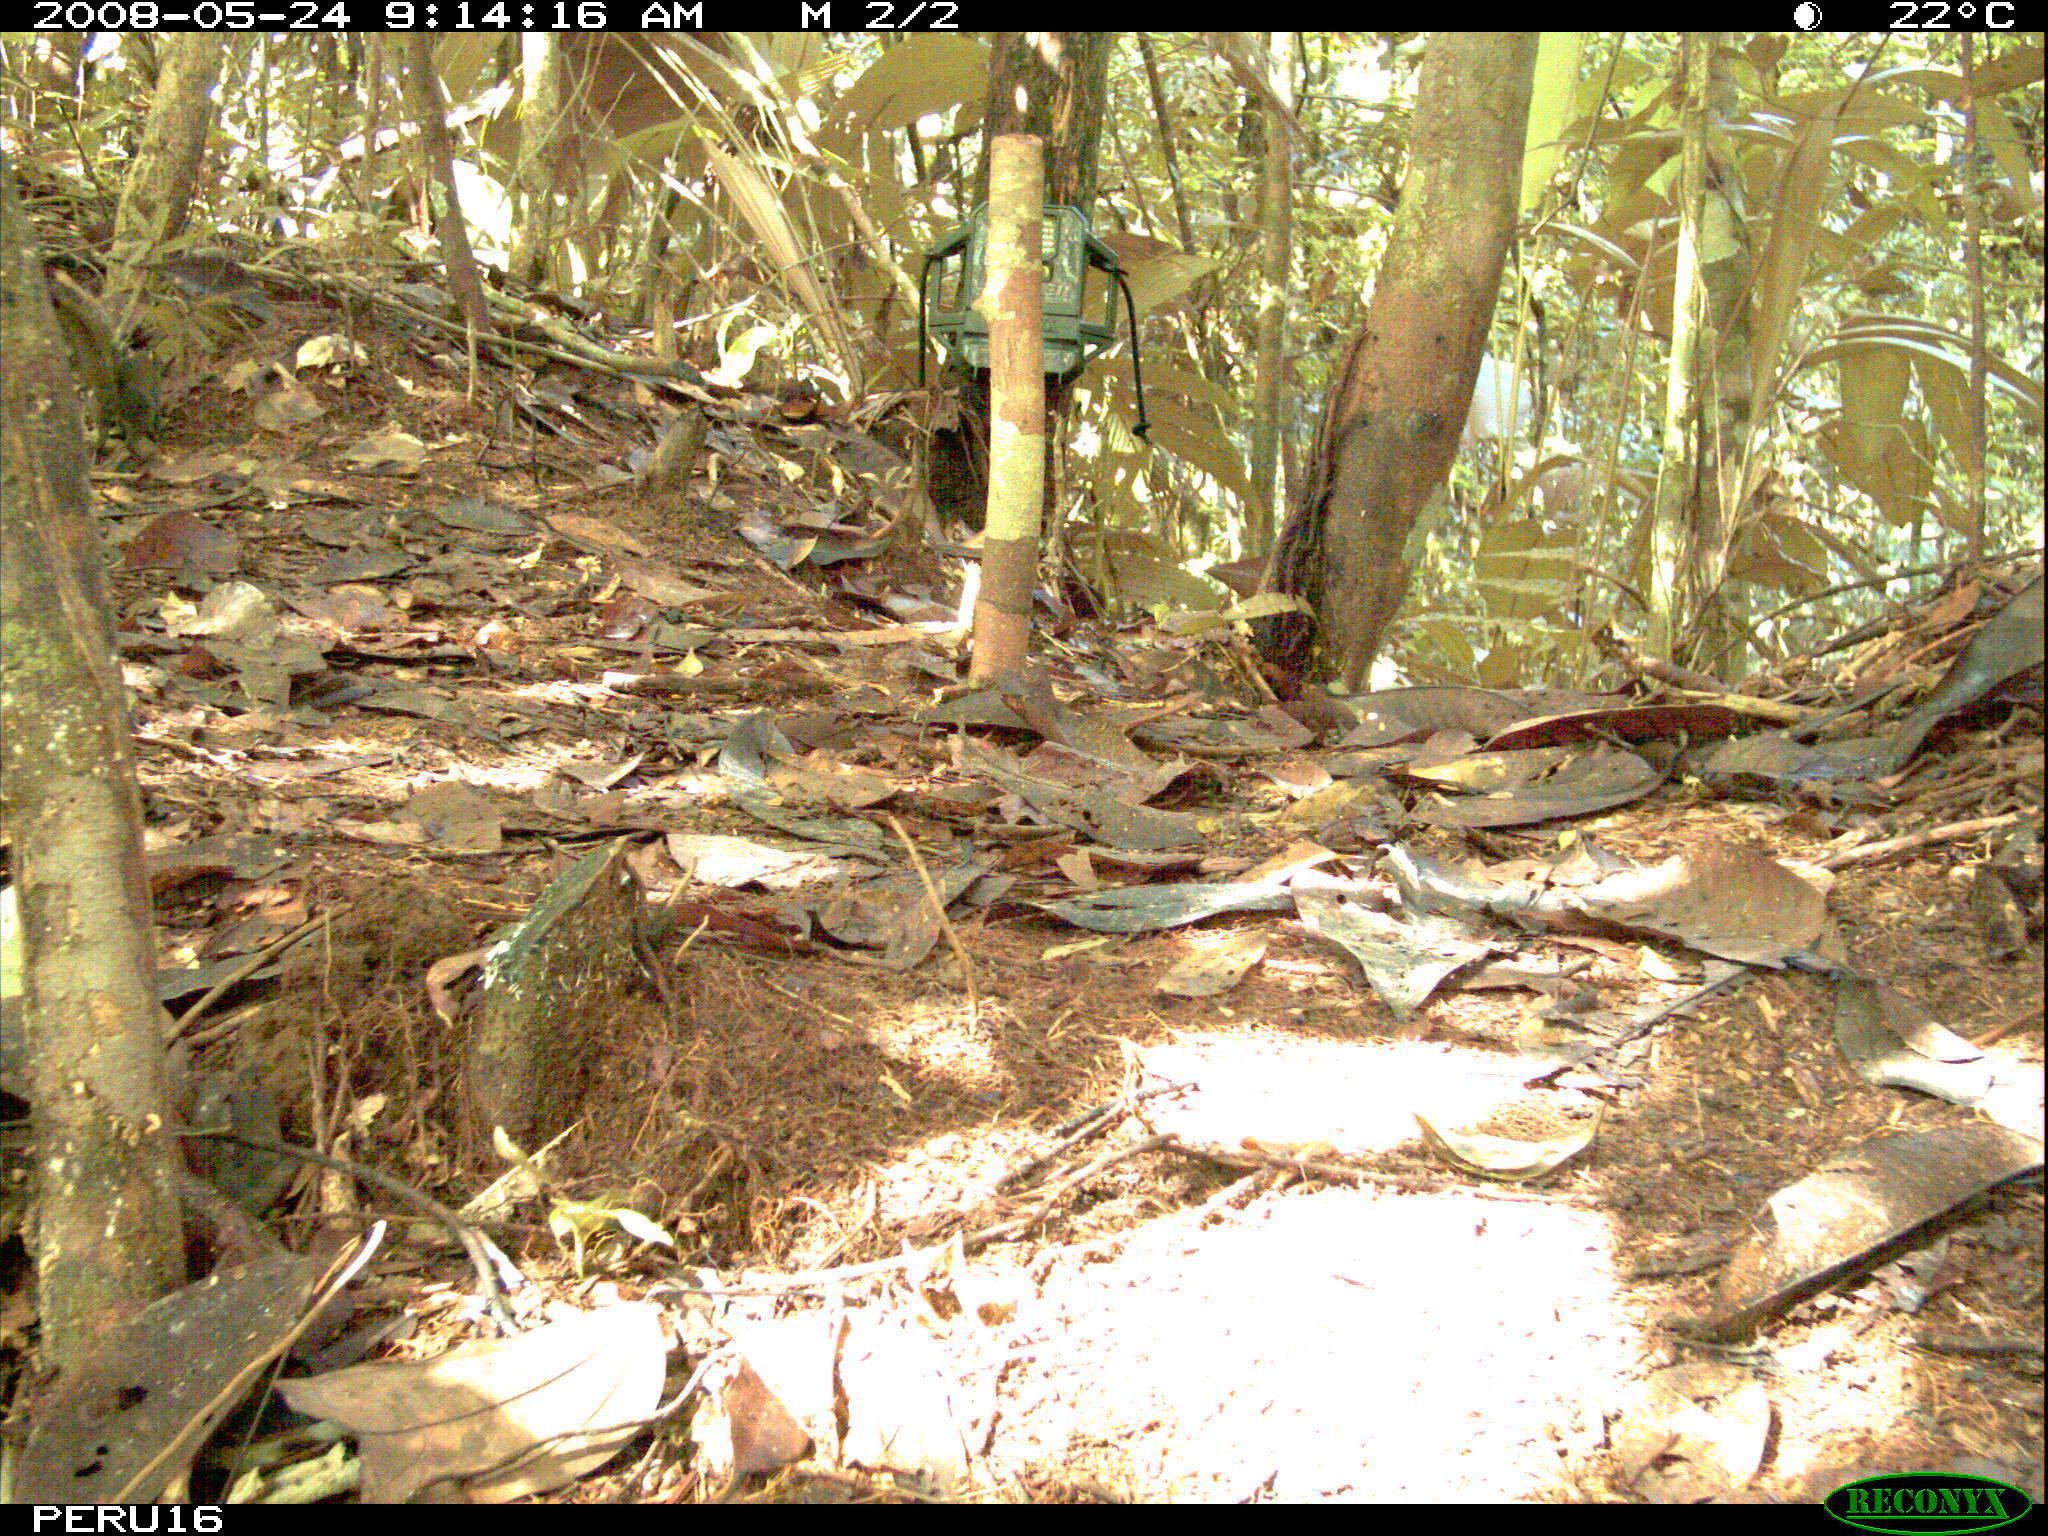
(1014, 1226)
(938, 906)
(2007, 1025)
(1640, 1026)
(1345, 1173)
(1954, 831)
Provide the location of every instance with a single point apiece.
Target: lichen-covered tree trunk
(1054, 85)
(1014, 306)
(161, 188)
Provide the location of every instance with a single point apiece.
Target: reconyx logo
(1951, 1503)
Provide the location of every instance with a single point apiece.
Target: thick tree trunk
(1391, 424)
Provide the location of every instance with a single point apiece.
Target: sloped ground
(1164, 1326)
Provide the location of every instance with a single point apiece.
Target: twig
(1743, 704)
(1885, 580)
(1011, 1227)
(1640, 1026)
(650, 962)
(463, 1232)
(804, 1281)
(1810, 728)
(2007, 1025)
(344, 1269)
(1092, 1124)
(931, 894)
(1344, 1173)
(1981, 784)
(1089, 1123)
(1017, 1226)
(1954, 831)
(1964, 1344)
(274, 950)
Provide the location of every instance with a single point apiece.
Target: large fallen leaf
(894, 913)
(1394, 715)
(1403, 961)
(1692, 1432)
(710, 858)
(2005, 647)
(458, 816)
(1029, 694)
(122, 1424)
(1101, 814)
(1516, 788)
(1141, 908)
(1427, 885)
(1725, 898)
(1633, 722)
(1505, 1158)
(1849, 1215)
(780, 1402)
(902, 1402)
(1214, 967)
(502, 1419)
(1775, 758)
(1892, 1042)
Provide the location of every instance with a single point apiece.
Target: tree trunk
(1054, 85)
(163, 180)
(1707, 418)
(1391, 423)
(108, 1238)
(1014, 305)
(1276, 252)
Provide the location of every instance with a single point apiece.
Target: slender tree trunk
(1014, 305)
(107, 1235)
(1276, 251)
(429, 110)
(163, 181)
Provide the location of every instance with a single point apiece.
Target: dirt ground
(1148, 1323)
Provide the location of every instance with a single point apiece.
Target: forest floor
(1140, 1318)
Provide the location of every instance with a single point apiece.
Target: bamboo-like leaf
(1780, 551)
(1184, 418)
(1117, 437)
(1997, 134)
(1793, 229)
(922, 74)
(1551, 106)
(1159, 279)
(1449, 641)
(1211, 453)
(1898, 477)
(1505, 666)
(1263, 605)
(1856, 557)
(1146, 579)
(1619, 257)
(2007, 71)
(1165, 379)
(765, 215)
(1947, 393)
(1905, 174)
(1924, 339)
(1873, 384)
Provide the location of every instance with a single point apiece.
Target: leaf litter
(1240, 1268)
